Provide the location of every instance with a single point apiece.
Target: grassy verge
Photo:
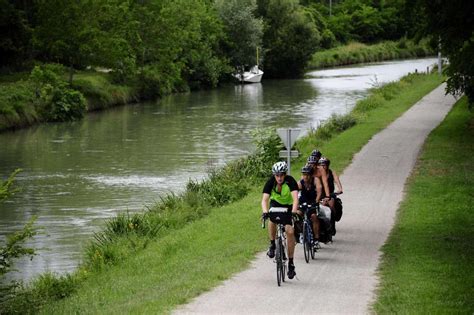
(428, 264)
(191, 253)
(19, 103)
(359, 53)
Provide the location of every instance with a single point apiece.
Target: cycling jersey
(308, 195)
(282, 198)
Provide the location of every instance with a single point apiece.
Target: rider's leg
(271, 230)
(271, 235)
(315, 221)
(290, 234)
(331, 205)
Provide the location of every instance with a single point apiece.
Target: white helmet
(280, 167)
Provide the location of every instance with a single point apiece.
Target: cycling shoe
(271, 252)
(291, 271)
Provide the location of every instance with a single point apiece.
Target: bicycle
(308, 237)
(280, 239)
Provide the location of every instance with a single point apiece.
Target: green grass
(355, 52)
(100, 92)
(17, 97)
(188, 261)
(428, 260)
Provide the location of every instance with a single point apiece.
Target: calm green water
(75, 175)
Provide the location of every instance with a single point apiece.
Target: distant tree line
(170, 45)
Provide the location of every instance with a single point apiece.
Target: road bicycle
(280, 248)
(308, 238)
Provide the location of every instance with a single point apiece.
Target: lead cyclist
(281, 190)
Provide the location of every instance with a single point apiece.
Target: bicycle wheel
(313, 252)
(306, 242)
(283, 262)
(279, 261)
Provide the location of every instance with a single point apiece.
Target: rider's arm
(319, 189)
(324, 179)
(294, 194)
(337, 182)
(265, 200)
(300, 187)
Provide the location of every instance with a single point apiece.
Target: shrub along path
(343, 275)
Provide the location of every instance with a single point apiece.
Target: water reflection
(77, 174)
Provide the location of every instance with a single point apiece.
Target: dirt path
(343, 277)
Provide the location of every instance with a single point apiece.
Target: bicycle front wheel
(279, 261)
(306, 242)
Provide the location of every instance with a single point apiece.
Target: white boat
(253, 76)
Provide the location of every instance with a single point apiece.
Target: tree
(453, 23)
(290, 37)
(244, 31)
(15, 35)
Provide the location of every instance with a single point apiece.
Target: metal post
(288, 147)
(330, 7)
(439, 57)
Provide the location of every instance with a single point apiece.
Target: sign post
(288, 136)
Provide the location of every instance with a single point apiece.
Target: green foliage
(55, 100)
(453, 23)
(15, 36)
(100, 92)
(355, 52)
(13, 247)
(16, 104)
(6, 189)
(48, 287)
(290, 38)
(65, 105)
(243, 30)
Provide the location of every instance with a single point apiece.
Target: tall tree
(15, 35)
(453, 23)
(66, 33)
(290, 37)
(243, 29)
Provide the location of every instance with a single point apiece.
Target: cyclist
(281, 190)
(319, 172)
(307, 189)
(329, 199)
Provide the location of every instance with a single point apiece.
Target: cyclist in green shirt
(281, 190)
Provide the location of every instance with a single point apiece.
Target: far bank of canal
(75, 175)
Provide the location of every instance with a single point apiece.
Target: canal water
(76, 175)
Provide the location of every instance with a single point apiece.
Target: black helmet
(313, 159)
(307, 169)
(316, 153)
(323, 161)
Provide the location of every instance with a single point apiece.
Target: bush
(154, 81)
(65, 105)
(55, 100)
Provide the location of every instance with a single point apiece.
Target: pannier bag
(338, 208)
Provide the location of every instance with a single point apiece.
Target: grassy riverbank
(354, 53)
(155, 261)
(22, 106)
(427, 265)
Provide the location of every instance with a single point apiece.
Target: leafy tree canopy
(453, 23)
